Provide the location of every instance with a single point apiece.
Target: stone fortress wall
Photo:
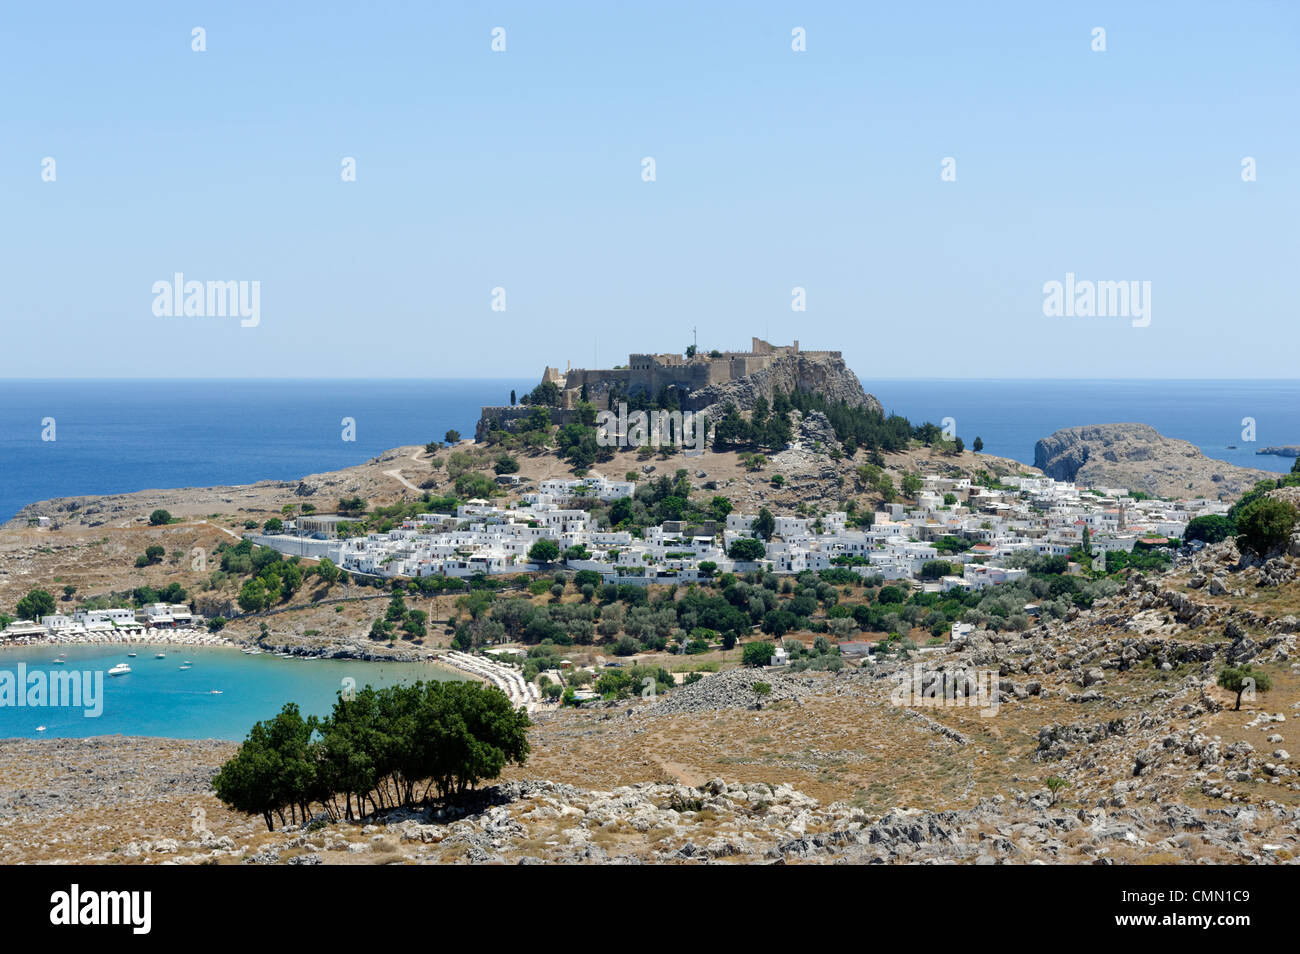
(651, 373)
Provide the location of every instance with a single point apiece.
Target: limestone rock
(1138, 457)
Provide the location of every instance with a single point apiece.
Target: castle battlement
(651, 373)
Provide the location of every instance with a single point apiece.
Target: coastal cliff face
(1138, 457)
(829, 377)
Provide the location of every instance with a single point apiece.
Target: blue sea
(158, 698)
(116, 436)
(1011, 416)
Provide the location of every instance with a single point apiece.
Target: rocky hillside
(1110, 743)
(829, 377)
(1138, 457)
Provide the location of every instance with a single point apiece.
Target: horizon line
(363, 378)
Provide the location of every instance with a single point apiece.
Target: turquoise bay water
(158, 698)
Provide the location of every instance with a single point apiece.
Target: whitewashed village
(1000, 527)
(1031, 515)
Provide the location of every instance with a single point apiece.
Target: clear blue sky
(775, 169)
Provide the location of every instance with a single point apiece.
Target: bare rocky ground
(1110, 744)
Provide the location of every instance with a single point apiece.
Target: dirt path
(230, 533)
(684, 774)
(396, 473)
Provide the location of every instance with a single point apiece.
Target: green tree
(891, 594)
(416, 624)
(977, 445)
(452, 436)
(474, 485)
(621, 511)
(546, 393)
(911, 485)
(327, 570)
(544, 551)
(1240, 679)
(352, 506)
(747, 549)
(34, 605)
(764, 525)
(396, 611)
(271, 770)
(1212, 528)
(934, 569)
(253, 596)
(1265, 524)
(757, 654)
(159, 517)
(274, 525)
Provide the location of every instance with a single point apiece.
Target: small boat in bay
(121, 669)
(160, 656)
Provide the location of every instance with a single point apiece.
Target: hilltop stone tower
(706, 381)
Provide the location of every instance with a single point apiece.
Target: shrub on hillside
(1265, 524)
(1212, 528)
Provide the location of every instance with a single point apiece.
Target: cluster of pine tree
(768, 425)
(379, 749)
(856, 426)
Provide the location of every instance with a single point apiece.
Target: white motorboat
(121, 669)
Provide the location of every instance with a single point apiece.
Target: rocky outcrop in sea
(1138, 457)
